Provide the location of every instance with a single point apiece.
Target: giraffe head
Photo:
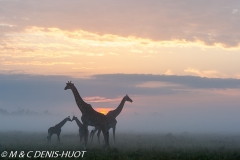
(128, 98)
(74, 118)
(69, 119)
(69, 85)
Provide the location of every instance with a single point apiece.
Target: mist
(161, 104)
(134, 122)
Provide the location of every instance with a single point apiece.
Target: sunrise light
(167, 71)
(103, 110)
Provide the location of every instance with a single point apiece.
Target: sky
(177, 60)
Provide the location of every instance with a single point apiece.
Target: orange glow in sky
(103, 110)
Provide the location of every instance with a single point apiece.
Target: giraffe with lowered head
(90, 117)
(112, 122)
(81, 128)
(57, 129)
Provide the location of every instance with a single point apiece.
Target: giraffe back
(54, 130)
(93, 119)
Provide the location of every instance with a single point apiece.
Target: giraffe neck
(78, 122)
(79, 100)
(59, 125)
(118, 110)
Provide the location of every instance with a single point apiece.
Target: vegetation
(130, 146)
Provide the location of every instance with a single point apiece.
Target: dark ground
(129, 146)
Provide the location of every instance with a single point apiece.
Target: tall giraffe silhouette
(112, 122)
(81, 128)
(90, 117)
(57, 129)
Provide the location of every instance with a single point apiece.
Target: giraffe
(111, 124)
(112, 115)
(57, 129)
(90, 117)
(81, 127)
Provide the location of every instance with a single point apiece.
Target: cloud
(97, 99)
(158, 20)
(61, 43)
(34, 63)
(187, 81)
(234, 11)
(114, 54)
(85, 68)
(92, 54)
(156, 84)
(6, 25)
(136, 51)
(50, 47)
(168, 72)
(207, 73)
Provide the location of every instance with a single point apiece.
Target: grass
(130, 146)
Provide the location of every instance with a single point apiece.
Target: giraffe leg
(58, 135)
(114, 128)
(49, 137)
(85, 135)
(106, 135)
(98, 135)
(80, 136)
(92, 134)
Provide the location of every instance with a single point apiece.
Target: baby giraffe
(81, 128)
(57, 129)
